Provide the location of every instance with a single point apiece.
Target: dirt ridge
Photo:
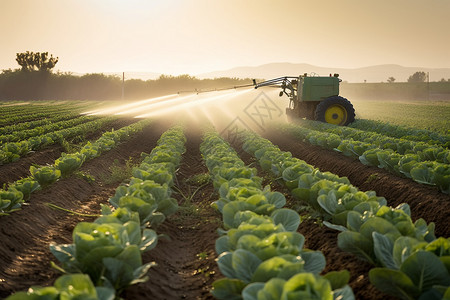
(186, 266)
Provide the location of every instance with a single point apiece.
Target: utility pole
(428, 86)
(123, 85)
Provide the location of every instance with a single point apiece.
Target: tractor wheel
(335, 110)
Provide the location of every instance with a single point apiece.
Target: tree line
(36, 81)
(417, 77)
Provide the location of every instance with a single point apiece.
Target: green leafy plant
(45, 175)
(69, 163)
(10, 200)
(422, 275)
(299, 286)
(158, 172)
(109, 253)
(68, 287)
(372, 237)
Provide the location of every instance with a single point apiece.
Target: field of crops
(432, 115)
(100, 206)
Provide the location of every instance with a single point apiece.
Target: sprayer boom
(276, 82)
(217, 89)
(286, 82)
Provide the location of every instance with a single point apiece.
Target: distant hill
(379, 73)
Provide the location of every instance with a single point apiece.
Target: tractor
(314, 98)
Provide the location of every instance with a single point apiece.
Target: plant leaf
(425, 269)
(393, 282)
(289, 218)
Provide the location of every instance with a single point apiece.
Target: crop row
(10, 129)
(410, 262)
(425, 151)
(23, 113)
(11, 152)
(25, 110)
(41, 177)
(260, 251)
(426, 164)
(20, 135)
(408, 133)
(106, 255)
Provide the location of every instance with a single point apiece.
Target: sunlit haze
(247, 106)
(196, 36)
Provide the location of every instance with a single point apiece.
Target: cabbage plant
(110, 253)
(45, 175)
(67, 287)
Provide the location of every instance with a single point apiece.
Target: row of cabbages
(260, 251)
(404, 132)
(424, 163)
(106, 255)
(43, 121)
(20, 191)
(27, 116)
(12, 151)
(20, 135)
(386, 136)
(410, 262)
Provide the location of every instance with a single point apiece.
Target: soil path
(425, 201)
(186, 265)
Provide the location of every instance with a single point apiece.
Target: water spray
(194, 103)
(128, 106)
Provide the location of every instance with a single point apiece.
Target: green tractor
(314, 98)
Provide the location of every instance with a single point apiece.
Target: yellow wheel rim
(336, 114)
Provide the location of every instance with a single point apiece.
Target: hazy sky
(195, 36)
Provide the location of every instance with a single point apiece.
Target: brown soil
(185, 253)
(186, 265)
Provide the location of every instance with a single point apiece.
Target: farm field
(185, 253)
(432, 115)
